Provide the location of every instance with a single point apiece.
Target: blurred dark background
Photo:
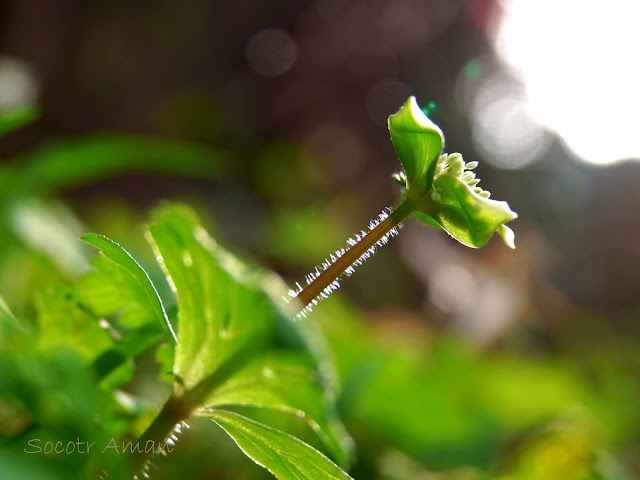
(295, 96)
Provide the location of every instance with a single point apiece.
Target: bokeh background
(270, 118)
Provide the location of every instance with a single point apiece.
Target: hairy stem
(328, 276)
(173, 412)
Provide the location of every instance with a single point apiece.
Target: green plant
(236, 348)
(439, 189)
(230, 349)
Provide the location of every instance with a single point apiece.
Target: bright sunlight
(567, 53)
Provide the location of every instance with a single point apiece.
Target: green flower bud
(439, 187)
(418, 143)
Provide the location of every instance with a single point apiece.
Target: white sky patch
(579, 63)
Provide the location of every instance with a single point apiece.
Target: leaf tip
(508, 235)
(411, 115)
(90, 238)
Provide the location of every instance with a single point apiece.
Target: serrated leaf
(418, 143)
(286, 457)
(466, 216)
(228, 323)
(286, 382)
(123, 260)
(110, 290)
(222, 310)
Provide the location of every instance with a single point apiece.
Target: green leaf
(110, 290)
(424, 218)
(126, 346)
(465, 215)
(164, 357)
(53, 396)
(229, 326)
(74, 162)
(64, 324)
(287, 382)
(121, 373)
(286, 457)
(123, 260)
(7, 318)
(223, 312)
(418, 143)
(17, 118)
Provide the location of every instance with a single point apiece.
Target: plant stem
(328, 276)
(172, 413)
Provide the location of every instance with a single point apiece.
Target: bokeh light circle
(271, 52)
(18, 84)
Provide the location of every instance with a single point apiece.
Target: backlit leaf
(222, 311)
(418, 143)
(229, 323)
(287, 382)
(119, 257)
(64, 324)
(283, 455)
(465, 215)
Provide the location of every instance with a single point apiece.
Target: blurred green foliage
(15, 118)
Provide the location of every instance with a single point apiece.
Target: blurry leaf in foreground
(63, 324)
(283, 455)
(58, 397)
(52, 229)
(14, 466)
